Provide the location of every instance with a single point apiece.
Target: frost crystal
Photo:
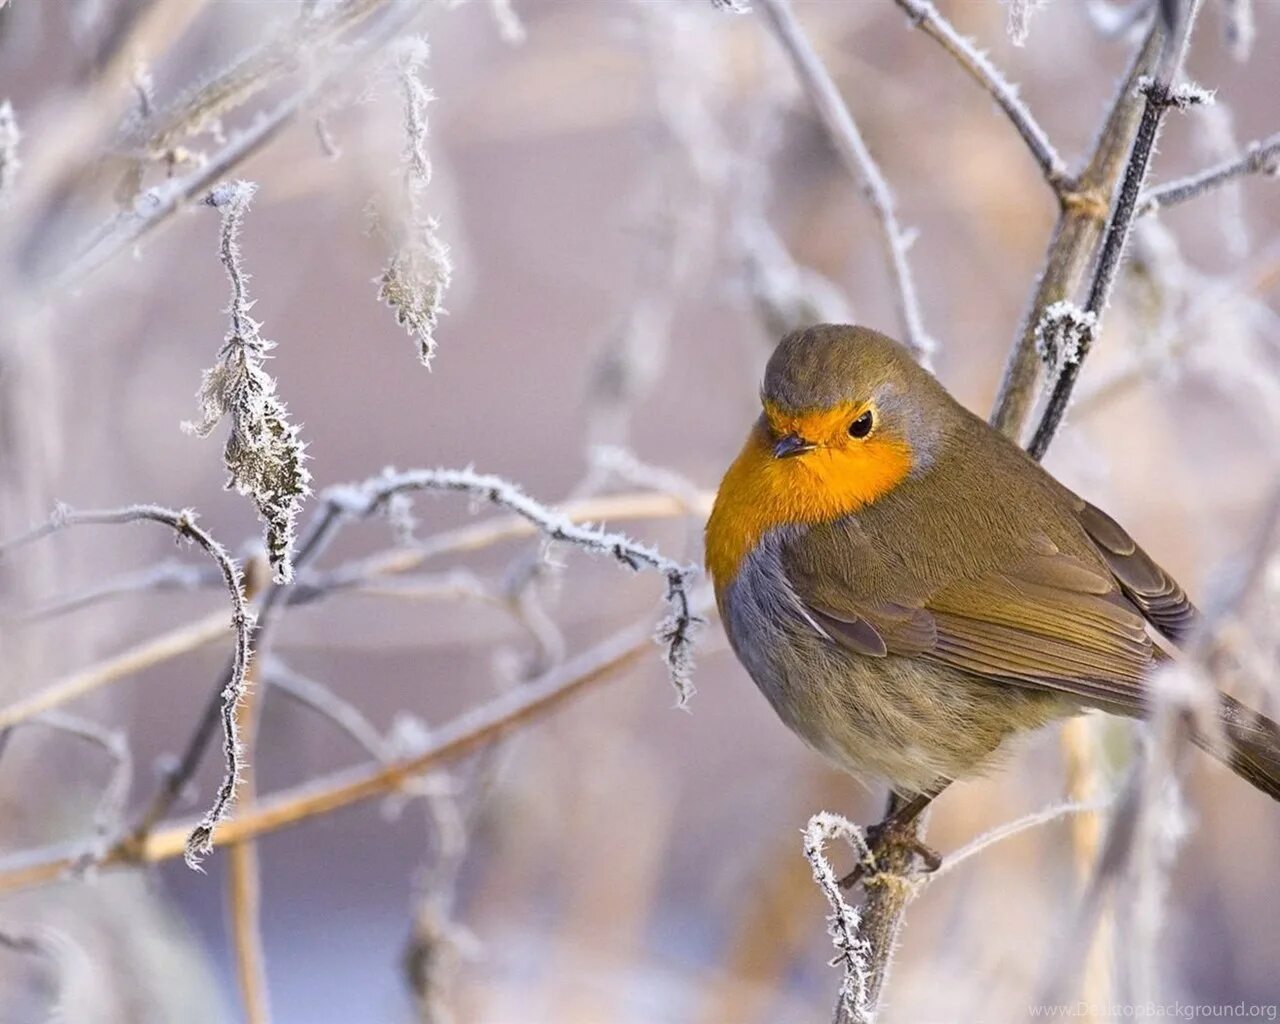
(1063, 332)
(263, 455)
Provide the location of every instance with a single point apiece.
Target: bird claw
(880, 839)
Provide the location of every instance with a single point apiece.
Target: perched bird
(909, 588)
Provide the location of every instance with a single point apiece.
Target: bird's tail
(1252, 747)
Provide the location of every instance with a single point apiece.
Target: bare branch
(676, 632)
(184, 524)
(1259, 157)
(1161, 93)
(164, 576)
(470, 731)
(976, 64)
(1071, 247)
(848, 142)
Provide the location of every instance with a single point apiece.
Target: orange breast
(760, 492)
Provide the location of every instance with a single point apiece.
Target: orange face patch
(761, 492)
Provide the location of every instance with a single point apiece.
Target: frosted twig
(470, 731)
(263, 455)
(1160, 94)
(848, 142)
(184, 524)
(853, 953)
(155, 206)
(1009, 829)
(112, 742)
(10, 136)
(1259, 157)
(676, 632)
(415, 279)
(925, 16)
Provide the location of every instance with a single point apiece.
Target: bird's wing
(1154, 591)
(1045, 620)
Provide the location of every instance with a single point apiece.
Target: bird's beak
(791, 444)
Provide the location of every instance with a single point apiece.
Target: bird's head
(849, 409)
(848, 416)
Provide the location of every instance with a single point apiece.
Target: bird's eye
(861, 427)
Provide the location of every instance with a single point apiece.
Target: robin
(909, 588)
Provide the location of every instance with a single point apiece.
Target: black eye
(861, 427)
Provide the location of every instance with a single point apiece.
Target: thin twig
(465, 539)
(155, 651)
(244, 876)
(184, 524)
(844, 135)
(976, 64)
(1259, 157)
(468, 732)
(853, 953)
(676, 632)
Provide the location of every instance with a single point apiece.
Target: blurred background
(629, 191)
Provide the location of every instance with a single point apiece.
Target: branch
(263, 456)
(156, 205)
(468, 732)
(676, 632)
(183, 523)
(314, 586)
(244, 877)
(925, 17)
(848, 142)
(1160, 94)
(1071, 246)
(156, 651)
(853, 952)
(1259, 157)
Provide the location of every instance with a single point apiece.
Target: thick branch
(1071, 247)
(1159, 94)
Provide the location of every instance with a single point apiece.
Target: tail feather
(1252, 748)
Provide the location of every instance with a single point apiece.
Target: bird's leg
(895, 831)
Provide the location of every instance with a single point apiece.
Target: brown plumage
(909, 588)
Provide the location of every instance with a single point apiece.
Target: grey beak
(791, 444)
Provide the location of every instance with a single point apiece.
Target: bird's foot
(884, 838)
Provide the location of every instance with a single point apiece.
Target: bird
(909, 589)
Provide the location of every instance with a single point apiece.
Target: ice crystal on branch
(419, 271)
(263, 455)
(1064, 333)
